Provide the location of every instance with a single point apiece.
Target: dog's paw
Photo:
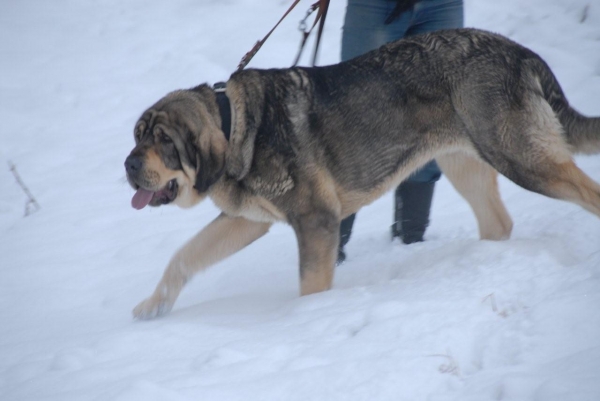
(152, 307)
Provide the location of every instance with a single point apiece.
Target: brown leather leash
(321, 6)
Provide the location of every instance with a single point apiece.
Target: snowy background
(453, 318)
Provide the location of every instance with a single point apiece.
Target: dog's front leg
(223, 237)
(318, 239)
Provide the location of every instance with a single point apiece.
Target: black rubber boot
(411, 213)
(345, 232)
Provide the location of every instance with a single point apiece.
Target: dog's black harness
(224, 108)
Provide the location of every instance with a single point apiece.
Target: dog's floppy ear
(210, 158)
(208, 141)
(246, 95)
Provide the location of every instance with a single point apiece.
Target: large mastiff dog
(309, 146)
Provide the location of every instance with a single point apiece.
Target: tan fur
(546, 132)
(318, 233)
(572, 184)
(187, 196)
(157, 173)
(477, 183)
(223, 237)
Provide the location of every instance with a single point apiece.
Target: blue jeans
(365, 29)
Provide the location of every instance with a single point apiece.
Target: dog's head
(179, 151)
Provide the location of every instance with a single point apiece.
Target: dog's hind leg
(556, 179)
(476, 182)
(223, 237)
(533, 153)
(568, 182)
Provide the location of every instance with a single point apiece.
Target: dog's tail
(582, 133)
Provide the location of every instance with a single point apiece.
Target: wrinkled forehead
(144, 126)
(173, 108)
(177, 114)
(165, 119)
(150, 118)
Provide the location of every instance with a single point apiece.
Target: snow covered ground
(453, 318)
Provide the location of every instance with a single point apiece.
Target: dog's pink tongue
(141, 198)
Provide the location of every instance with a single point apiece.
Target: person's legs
(434, 15)
(413, 197)
(345, 232)
(364, 30)
(412, 203)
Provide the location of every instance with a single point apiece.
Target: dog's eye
(164, 138)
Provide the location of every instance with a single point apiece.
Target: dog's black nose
(133, 164)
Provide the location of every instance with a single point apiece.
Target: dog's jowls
(310, 146)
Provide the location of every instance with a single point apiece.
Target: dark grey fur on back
(434, 89)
